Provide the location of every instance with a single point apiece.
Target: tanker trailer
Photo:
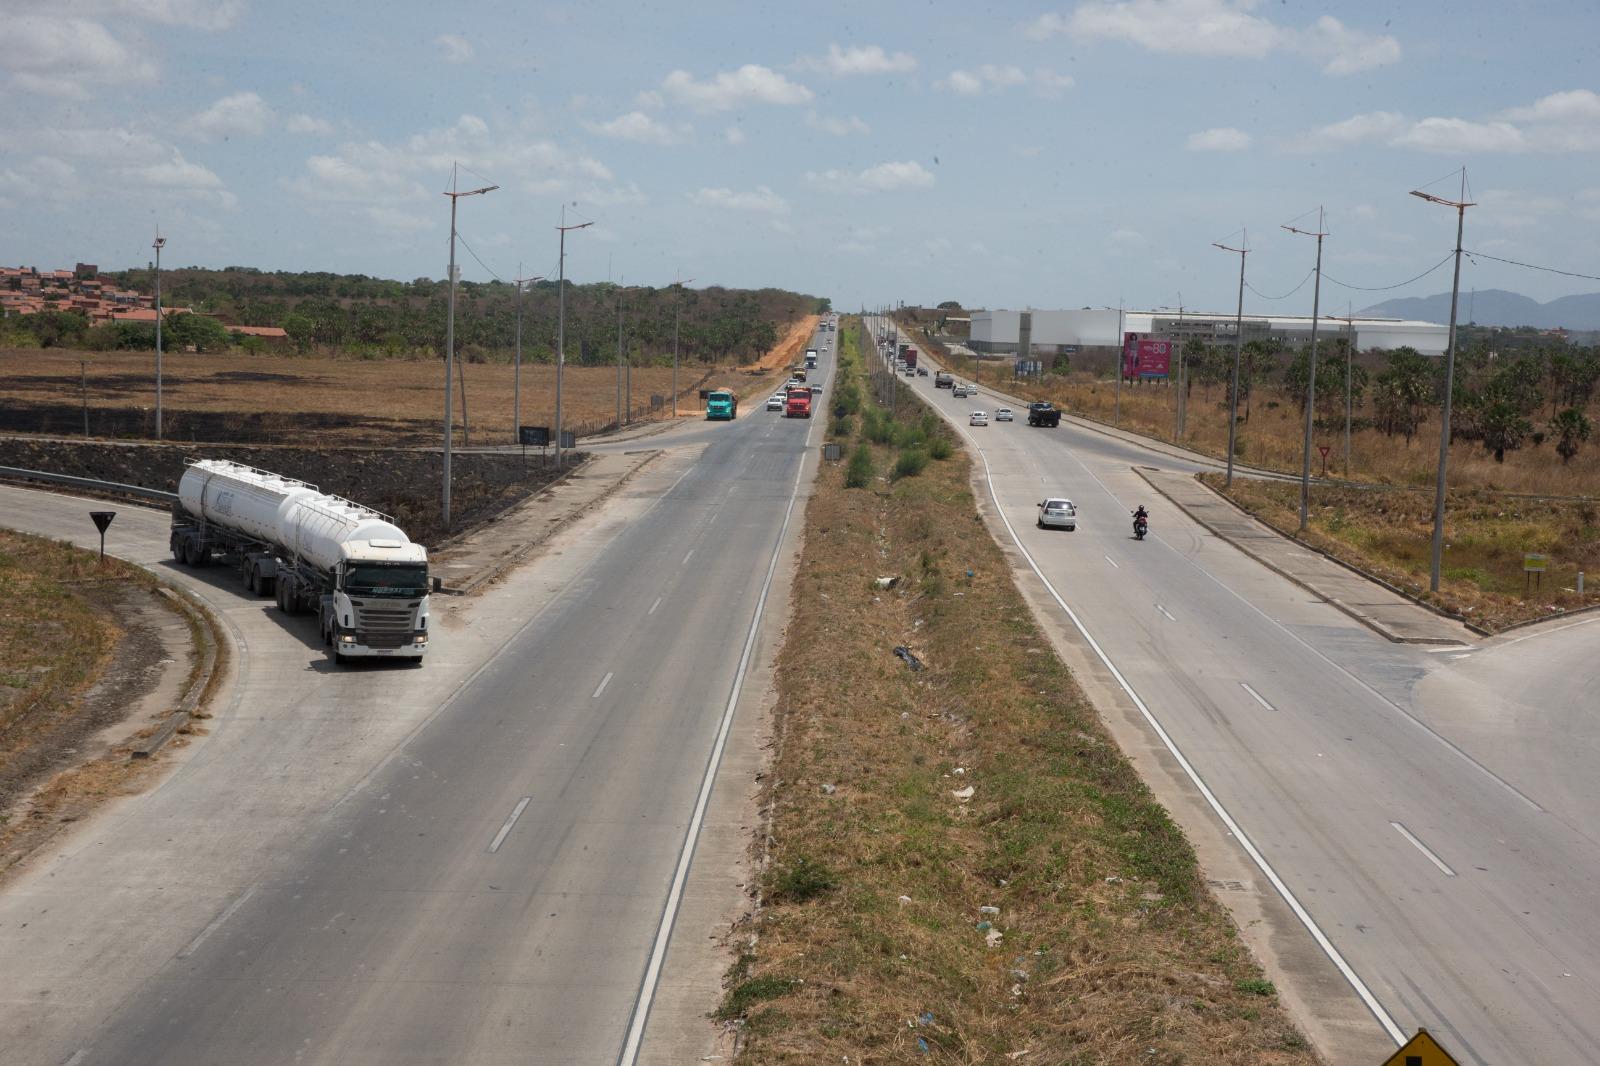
(315, 553)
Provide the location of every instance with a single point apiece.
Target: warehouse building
(1067, 332)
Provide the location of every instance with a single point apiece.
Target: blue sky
(1000, 154)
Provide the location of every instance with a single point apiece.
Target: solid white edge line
(1110, 560)
(604, 681)
(654, 605)
(1395, 1032)
(689, 556)
(1258, 697)
(216, 923)
(1420, 846)
(669, 915)
(1170, 616)
(511, 820)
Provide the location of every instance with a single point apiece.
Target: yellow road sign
(1421, 1050)
(1534, 563)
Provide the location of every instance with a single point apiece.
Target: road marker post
(102, 519)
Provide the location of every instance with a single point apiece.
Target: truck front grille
(385, 624)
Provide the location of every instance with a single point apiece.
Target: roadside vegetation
(963, 867)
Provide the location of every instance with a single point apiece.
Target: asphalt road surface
(1433, 811)
(467, 862)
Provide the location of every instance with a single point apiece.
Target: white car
(1058, 513)
(776, 401)
(979, 418)
(961, 391)
(1003, 414)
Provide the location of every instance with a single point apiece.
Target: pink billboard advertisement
(1145, 357)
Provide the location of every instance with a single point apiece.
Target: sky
(999, 154)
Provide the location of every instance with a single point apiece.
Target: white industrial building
(1063, 332)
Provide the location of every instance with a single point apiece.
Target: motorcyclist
(1141, 515)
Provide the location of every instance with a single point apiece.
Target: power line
(474, 255)
(1397, 285)
(1531, 266)
(1286, 295)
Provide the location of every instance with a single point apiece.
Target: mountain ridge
(1497, 307)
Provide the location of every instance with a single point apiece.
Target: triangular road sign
(1421, 1050)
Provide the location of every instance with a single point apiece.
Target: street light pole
(1122, 360)
(677, 316)
(516, 366)
(160, 241)
(1311, 382)
(1349, 358)
(450, 334)
(1461, 206)
(561, 322)
(1238, 354)
(619, 356)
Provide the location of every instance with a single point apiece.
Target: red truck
(908, 356)
(797, 404)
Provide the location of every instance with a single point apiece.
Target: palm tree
(1571, 428)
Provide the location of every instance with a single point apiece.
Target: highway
(473, 861)
(1431, 813)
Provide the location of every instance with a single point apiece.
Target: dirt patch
(404, 484)
(963, 866)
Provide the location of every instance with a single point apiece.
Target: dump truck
(797, 403)
(1043, 413)
(943, 380)
(350, 566)
(811, 358)
(721, 405)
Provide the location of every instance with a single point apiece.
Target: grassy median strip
(963, 866)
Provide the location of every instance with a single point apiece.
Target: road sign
(1323, 448)
(1421, 1050)
(705, 394)
(102, 519)
(534, 436)
(1534, 563)
(832, 452)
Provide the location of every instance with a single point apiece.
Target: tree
(1403, 392)
(1571, 429)
(1504, 428)
(950, 305)
(201, 332)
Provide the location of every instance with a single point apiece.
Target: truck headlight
(347, 638)
(420, 638)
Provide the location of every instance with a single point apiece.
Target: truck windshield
(371, 580)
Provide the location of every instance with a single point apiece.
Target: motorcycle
(1141, 526)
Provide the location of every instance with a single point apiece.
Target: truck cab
(722, 405)
(378, 606)
(798, 404)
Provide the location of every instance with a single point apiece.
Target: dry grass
(870, 946)
(1389, 533)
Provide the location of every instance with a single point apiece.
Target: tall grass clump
(858, 473)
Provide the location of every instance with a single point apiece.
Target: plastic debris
(887, 582)
(925, 1018)
(1113, 880)
(903, 652)
(988, 910)
(922, 1045)
(960, 771)
(993, 937)
(903, 901)
(963, 794)
(982, 926)
(828, 790)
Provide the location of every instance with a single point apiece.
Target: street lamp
(1461, 206)
(561, 320)
(677, 316)
(516, 371)
(1238, 353)
(159, 243)
(1311, 383)
(450, 331)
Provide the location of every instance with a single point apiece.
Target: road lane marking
(686, 558)
(511, 820)
(216, 923)
(1449, 648)
(1166, 612)
(77, 1057)
(1110, 560)
(604, 681)
(629, 1054)
(1396, 1034)
(1420, 846)
(1257, 696)
(654, 605)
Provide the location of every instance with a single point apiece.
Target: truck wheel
(339, 659)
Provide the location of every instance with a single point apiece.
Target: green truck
(722, 406)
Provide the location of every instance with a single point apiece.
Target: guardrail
(15, 473)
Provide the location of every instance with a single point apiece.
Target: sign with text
(534, 436)
(1421, 1050)
(1534, 563)
(1144, 356)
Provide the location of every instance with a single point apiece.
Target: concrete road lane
(487, 888)
(1453, 875)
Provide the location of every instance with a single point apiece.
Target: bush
(858, 474)
(841, 426)
(939, 448)
(802, 881)
(911, 463)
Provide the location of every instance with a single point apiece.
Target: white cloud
(733, 135)
(1217, 28)
(1124, 241)
(238, 115)
(209, 15)
(1219, 139)
(750, 84)
(1561, 122)
(885, 177)
(761, 200)
(640, 128)
(985, 78)
(454, 47)
(1050, 84)
(859, 59)
(308, 124)
(839, 127)
(65, 57)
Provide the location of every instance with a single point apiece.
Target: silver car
(1058, 513)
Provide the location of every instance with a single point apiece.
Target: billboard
(1145, 357)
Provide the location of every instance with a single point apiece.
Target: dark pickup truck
(1043, 414)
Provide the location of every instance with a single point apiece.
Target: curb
(516, 554)
(1370, 623)
(200, 685)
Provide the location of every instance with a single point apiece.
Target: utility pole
(1461, 206)
(1349, 357)
(1238, 353)
(1178, 412)
(1122, 360)
(83, 371)
(677, 316)
(561, 322)
(516, 366)
(450, 333)
(159, 243)
(619, 356)
(1311, 381)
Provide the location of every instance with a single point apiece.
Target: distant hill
(1497, 307)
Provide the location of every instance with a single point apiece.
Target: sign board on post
(534, 436)
(1534, 563)
(1421, 1050)
(705, 394)
(832, 452)
(569, 439)
(1145, 357)
(102, 519)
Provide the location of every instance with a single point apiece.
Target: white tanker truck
(347, 564)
